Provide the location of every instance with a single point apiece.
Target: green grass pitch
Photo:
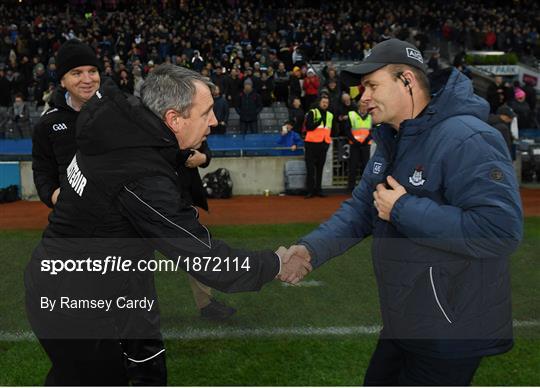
(268, 341)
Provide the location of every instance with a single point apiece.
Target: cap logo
(415, 54)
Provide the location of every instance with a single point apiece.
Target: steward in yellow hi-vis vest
(358, 130)
(323, 131)
(316, 143)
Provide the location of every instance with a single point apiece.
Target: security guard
(358, 130)
(318, 138)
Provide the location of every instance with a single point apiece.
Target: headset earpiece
(406, 83)
(404, 80)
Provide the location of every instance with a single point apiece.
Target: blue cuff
(394, 213)
(314, 259)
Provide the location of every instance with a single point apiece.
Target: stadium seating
(270, 119)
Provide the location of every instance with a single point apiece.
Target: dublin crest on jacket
(417, 178)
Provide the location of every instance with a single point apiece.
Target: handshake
(295, 263)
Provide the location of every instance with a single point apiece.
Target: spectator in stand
(249, 109)
(137, 80)
(295, 84)
(434, 62)
(197, 62)
(47, 97)
(498, 93)
(51, 72)
(333, 92)
(255, 76)
(289, 137)
(234, 88)
(502, 121)
(525, 116)
(296, 115)
(4, 119)
(330, 73)
(491, 38)
(40, 84)
(108, 71)
(221, 110)
(18, 84)
(342, 113)
(219, 78)
(281, 83)
(267, 89)
(19, 117)
(530, 94)
(125, 83)
(25, 71)
(5, 89)
(311, 88)
(237, 34)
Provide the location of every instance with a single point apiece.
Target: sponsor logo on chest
(75, 177)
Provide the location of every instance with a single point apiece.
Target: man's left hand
(196, 159)
(384, 199)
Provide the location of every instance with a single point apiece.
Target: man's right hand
(295, 263)
(54, 196)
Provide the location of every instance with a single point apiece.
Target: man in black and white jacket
(121, 201)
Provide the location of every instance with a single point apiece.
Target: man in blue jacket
(441, 200)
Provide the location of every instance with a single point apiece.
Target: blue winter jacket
(441, 263)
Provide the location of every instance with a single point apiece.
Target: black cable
(412, 101)
(406, 83)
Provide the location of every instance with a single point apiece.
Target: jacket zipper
(435, 294)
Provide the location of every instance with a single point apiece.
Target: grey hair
(171, 87)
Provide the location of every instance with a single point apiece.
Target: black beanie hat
(74, 53)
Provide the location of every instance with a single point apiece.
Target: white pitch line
(269, 332)
(224, 333)
(526, 323)
(305, 283)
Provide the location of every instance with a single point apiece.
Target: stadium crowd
(233, 41)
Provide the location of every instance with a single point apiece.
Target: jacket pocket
(423, 294)
(440, 295)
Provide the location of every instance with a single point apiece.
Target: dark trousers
(102, 362)
(391, 365)
(85, 362)
(248, 127)
(315, 155)
(358, 159)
